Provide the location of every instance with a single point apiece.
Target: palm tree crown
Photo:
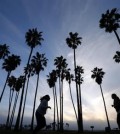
(60, 63)
(33, 37)
(28, 70)
(38, 62)
(73, 41)
(69, 77)
(12, 82)
(79, 71)
(117, 57)
(4, 51)
(11, 63)
(97, 75)
(110, 20)
(19, 82)
(52, 78)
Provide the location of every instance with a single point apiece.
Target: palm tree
(29, 71)
(52, 79)
(73, 41)
(69, 77)
(11, 83)
(56, 100)
(38, 63)
(61, 66)
(10, 64)
(33, 39)
(117, 57)
(51, 84)
(4, 51)
(98, 75)
(79, 80)
(18, 85)
(110, 21)
(63, 74)
(13, 109)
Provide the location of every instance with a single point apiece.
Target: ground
(3, 131)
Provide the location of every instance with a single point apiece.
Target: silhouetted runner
(40, 112)
(116, 105)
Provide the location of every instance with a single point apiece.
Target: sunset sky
(56, 18)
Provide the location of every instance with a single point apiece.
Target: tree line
(37, 63)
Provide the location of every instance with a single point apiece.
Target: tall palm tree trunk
(62, 104)
(24, 104)
(81, 118)
(117, 36)
(105, 108)
(32, 121)
(13, 110)
(10, 102)
(73, 102)
(5, 85)
(78, 121)
(54, 109)
(57, 109)
(22, 94)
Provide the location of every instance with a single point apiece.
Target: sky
(56, 18)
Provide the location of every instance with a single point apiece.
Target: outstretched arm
(49, 107)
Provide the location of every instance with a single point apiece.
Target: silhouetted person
(116, 105)
(40, 112)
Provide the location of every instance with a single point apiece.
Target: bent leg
(38, 119)
(118, 120)
(41, 122)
